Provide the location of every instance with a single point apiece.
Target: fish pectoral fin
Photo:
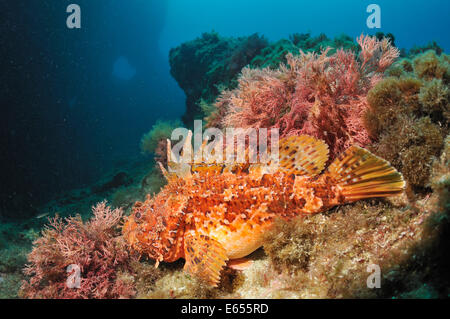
(240, 263)
(302, 155)
(205, 258)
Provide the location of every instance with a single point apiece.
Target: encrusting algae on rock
(209, 216)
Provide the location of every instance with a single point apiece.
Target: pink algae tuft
(93, 247)
(320, 95)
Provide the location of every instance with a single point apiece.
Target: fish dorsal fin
(302, 155)
(205, 257)
(204, 163)
(204, 168)
(236, 168)
(210, 163)
(182, 167)
(259, 170)
(165, 173)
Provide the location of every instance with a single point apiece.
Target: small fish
(42, 215)
(210, 214)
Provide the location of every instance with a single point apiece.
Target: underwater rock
(125, 197)
(153, 181)
(415, 50)
(118, 180)
(275, 54)
(390, 36)
(408, 116)
(202, 65)
(205, 66)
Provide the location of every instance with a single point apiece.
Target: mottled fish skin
(232, 210)
(235, 209)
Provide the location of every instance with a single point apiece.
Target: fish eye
(138, 215)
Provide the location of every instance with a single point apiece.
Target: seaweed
(161, 130)
(429, 66)
(434, 97)
(95, 247)
(289, 245)
(204, 66)
(322, 95)
(408, 117)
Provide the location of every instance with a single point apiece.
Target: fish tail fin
(302, 155)
(362, 174)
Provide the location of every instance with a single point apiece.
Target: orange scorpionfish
(209, 216)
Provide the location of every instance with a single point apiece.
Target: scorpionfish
(210, 214)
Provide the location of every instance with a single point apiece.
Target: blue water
(77, 101)
(123, 70)
(413, 22)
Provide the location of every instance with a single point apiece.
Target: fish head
(153, 229)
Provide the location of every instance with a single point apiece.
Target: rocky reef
(408, 115)
(205, 66)
(351, 93)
